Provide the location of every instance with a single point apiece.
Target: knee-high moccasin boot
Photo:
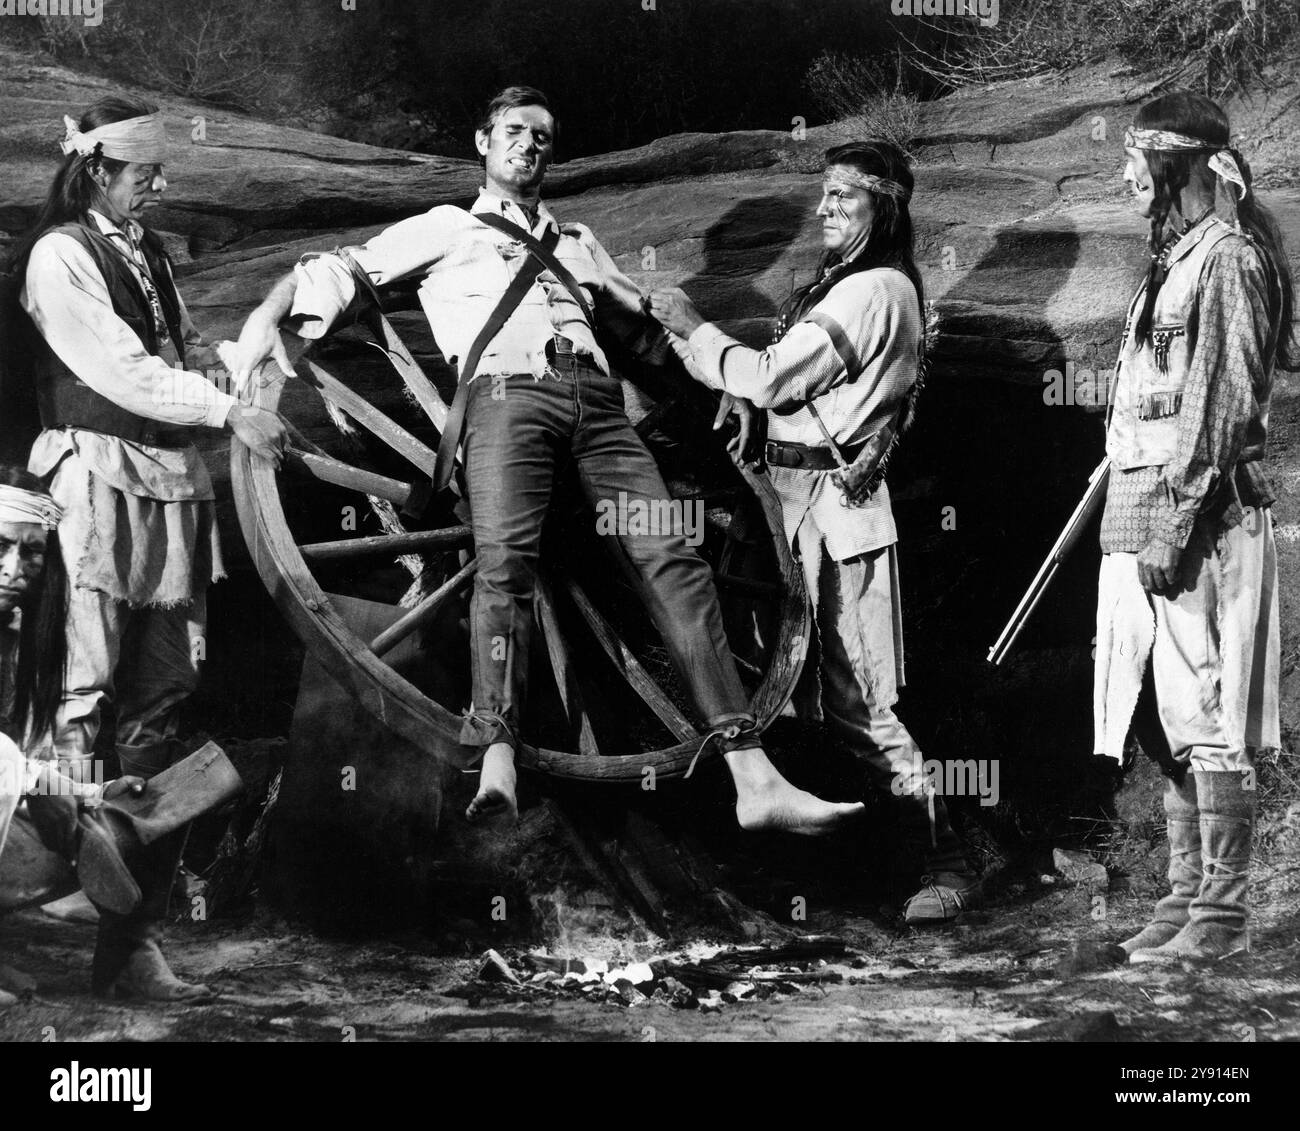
(1217, 916)
(128, 959)
(1184, 825)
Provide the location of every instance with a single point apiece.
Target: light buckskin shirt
(855, 355)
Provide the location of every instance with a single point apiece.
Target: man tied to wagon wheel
(560, 402)
(837, 383)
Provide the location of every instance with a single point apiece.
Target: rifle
(1088, 505)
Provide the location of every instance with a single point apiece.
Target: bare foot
(786, 809)
(766, 801)
(496, 786)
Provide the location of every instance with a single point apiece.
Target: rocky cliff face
(1028, 245)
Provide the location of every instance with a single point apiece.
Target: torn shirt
(466, 267)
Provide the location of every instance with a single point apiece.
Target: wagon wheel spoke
(734, 537)
(450, 538)
(630, 667)
(394, 349)
(364, 413)
(565, 676)
(330, 470)
(650, 421)
(424, 612)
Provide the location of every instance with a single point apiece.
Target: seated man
(73, 833)
(560, 402)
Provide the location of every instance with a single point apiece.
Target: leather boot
(128, 959)
(1218, 914)
(1184, 831)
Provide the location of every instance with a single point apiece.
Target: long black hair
(71, 194)
(890, 243)
(1200, 117)
(42, 643)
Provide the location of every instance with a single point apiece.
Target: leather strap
(522, 283)
(546, 253)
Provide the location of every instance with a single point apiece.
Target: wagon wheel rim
(385, 694)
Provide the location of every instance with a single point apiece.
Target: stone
(1085, 956)
(1095, 1027)
(494, 968)
(1079, 868)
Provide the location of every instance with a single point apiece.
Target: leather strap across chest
(541, 257)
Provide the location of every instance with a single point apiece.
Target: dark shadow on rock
(982, 486)
(746, 241)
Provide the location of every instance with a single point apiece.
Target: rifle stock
(1092, 499)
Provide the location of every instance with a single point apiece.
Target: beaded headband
(870, 183)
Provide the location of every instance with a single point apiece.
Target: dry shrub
(1033, 37)
(1216, 45)
(860, 92)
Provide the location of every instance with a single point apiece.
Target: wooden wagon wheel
(286, 569)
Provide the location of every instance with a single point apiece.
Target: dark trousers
(518, 432)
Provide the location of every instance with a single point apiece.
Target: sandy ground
(1002, 974)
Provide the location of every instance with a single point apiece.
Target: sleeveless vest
(1147, 390)
(64, 400)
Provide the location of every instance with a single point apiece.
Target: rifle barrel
(1065, 542)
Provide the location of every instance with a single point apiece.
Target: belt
(560, 346)
(779, 453)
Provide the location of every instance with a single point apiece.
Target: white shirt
(68, 299)
(466, 268)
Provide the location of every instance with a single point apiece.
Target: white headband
(20, 505)
(140, 140)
